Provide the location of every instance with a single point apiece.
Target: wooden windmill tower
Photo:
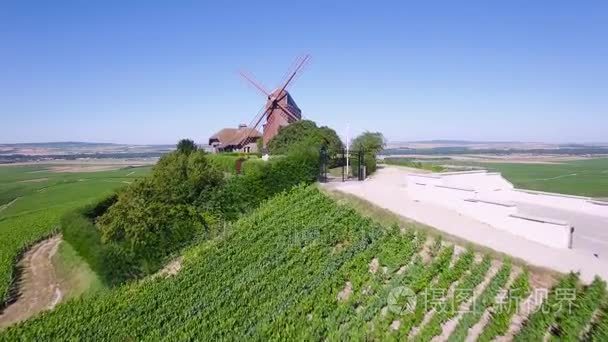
(280, 108)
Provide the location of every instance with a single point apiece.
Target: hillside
(32, 200)
(302, 267)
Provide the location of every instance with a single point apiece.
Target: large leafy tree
(304, 133)
(369, 142)
(157, 214)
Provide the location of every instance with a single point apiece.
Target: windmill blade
(249, 77)
(298, 73)
(287, 111)
(257, 119)
(290, 70)
(263, 114)
(298, 69)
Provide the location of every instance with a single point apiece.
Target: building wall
(274, 121)
(250, 148)
(277, 119)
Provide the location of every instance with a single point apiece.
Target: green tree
(186, 146)
(159, 214)
(304, 133)
(369, 142)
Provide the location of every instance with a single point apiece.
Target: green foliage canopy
(369, 142)
(304, 133)
(186, 146)
(158, 214)
(186, 197)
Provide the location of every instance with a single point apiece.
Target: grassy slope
(275, 276)
(38, 206)
(74, 275)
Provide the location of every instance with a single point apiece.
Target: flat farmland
(34, 197)
(582, 177)
(579, 177)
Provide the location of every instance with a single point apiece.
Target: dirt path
(5, 206)
(170, 269)
(557, 177)
(39, 288)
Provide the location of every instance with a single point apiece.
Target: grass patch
(337, 171)
(74, 275)
(409, 162)
(587, 177)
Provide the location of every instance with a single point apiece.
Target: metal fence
(341, 166)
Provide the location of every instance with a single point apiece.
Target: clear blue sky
(153, 72)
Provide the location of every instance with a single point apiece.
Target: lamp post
(347, 150)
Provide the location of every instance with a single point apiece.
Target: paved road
(590, 232)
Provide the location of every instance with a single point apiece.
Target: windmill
(280, 109)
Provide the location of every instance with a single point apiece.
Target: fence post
(343, 162)
(323, 165)
(361, 165)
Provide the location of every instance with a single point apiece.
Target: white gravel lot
(386, 189)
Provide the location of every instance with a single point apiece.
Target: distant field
(408, 162)
(580, 177)
(32, 199)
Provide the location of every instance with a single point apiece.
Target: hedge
(369, 161)
(79, 230)
(231, 199)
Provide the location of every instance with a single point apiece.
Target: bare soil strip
(477, 329)
(557, 177)
(538, 283)
(450, 292)
(5, 206)
(84, 168)
(35, 180)
(170, 269)
(39, 288)
(450, 326)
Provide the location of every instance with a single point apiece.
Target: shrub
(186, 146)
(109, 261)
(80, 232)
(185, 197)
(304, 133)
(252, 165)
(227, 162)
(369, 161)
(370, 144)
(224, 162)
(153, 217)
(262, 179)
